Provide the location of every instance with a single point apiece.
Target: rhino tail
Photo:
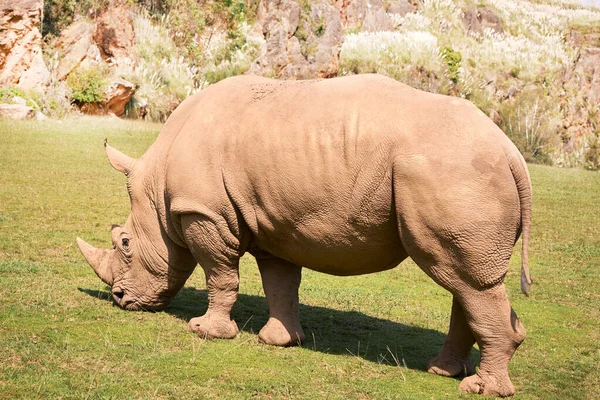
(522, 179)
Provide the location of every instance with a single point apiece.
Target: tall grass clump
(176, 55)
(163, 77)
(226, 57)
(395, 54)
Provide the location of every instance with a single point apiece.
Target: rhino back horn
(119, 161)
(98, 260)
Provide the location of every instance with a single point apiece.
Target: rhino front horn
(119, 161)
(98, 260)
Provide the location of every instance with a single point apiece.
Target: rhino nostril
(118, 295)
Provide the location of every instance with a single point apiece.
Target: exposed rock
(401, 7)
(117, 95)
(19, 100)
(75, 47)
(475, 20)
(21, 61)
(354, 12)
(581, 88)
(16, 111)
(114, 32)
(115, 98)
(40, 116)
(299, 45)
(277, 21)
(376, 20)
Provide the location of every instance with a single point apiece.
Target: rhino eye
(125, 242)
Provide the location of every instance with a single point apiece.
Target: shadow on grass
(327, 330)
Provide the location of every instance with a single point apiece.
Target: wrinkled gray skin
(345, 176)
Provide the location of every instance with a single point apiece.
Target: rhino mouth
(127, 303)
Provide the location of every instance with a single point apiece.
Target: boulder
(21, 62)
(117, 95)
(114, 32)
(401, 7)
(299, 45)
(16, 111)
(115, 98)
(475, 20)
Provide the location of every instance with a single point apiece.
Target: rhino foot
(452, 367)
(489, 385)
(213, 327)
(277, 334)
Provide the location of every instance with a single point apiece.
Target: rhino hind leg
(281, 280)
(498, 332)
(455, 357)
(221, 268)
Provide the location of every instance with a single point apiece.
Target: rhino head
(145, 267)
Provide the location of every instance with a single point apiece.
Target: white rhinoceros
(345, 176)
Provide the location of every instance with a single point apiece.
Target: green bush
(453, 59)
(87, 85)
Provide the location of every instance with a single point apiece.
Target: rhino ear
(118, 160)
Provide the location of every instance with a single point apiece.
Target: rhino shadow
(327, 330)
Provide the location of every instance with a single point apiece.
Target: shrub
(87, 85)
(453, 59)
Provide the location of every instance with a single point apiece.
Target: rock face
(76, 46)
(376, 19)
(584, 80)
(114, 33)
(21, 62)
(300, 45)
(97, 45)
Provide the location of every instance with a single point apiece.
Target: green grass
(61, 338)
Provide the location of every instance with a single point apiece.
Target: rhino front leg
(455, 357)
(221, 268)
(281, 280)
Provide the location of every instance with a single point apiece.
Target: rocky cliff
(21, 61)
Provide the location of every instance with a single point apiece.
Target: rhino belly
(335, 245)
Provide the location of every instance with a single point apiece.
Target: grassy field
(369, 337)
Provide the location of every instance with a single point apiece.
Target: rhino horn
(98, 260)
(118, 160)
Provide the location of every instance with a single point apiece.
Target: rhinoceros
(345, 176)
